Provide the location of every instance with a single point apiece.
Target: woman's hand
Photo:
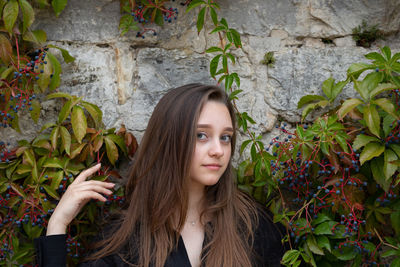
(78, 193)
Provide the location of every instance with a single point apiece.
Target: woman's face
(213, 145)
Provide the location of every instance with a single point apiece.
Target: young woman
(183, 207)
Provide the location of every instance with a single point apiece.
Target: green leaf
(244, 145)
(214, 65)
(362, 139)
(320, 219)
(15, 123)
(8, 71)
(337, 89)
(53, 162)
(382, 88)
(76, 150)
(313, 246)
(387, 124)
(35, 112)
(395, 219)
(119, 141)
(378, 58)
(158, 17)
(364, 94)
(36, 36)
(218, 29)
(390, 253)
(27, 14)
(44, 78)
(225, 63)
(194, 4)
(2, 4)
(327, 86)
(372, 119)
(370, 82)
(341, 139)
(17, 189)
(11, 168)
(214, 49)
(395, 148)
(79, 123)
(67, 57)
(377, 172)
(112, 150)
(395, 58)
(231, 57)
(58, 6)
(388, 168)
(55, 79)
(234, 94)
(56, 179)
(54, 137)
(348, 106)
(200, 19)
(10, 14)
(53, 193)
(22, 169)
(29, 157)
(308, 109)
(356, 69)
(65, 111)
(5, 50)
(236, 79)
(323, 242)
(290, 257)
(236, 38)
(345, 253)
(224, 23)
(95, 112)
(371, 150)
(308, 99)
(66, 139)
(386, 105)
(324, 228)
(386, 52)
(214, 16)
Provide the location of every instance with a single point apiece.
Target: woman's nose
(216, 149)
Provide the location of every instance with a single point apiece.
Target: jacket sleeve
(51, 251)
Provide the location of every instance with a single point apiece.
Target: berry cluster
(17, 93)
(140, 14)
(5, 153)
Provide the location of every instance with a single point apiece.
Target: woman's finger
(92, 187)
(88, 172)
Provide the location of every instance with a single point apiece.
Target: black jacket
(51, 251)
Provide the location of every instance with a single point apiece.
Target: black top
(51, 251)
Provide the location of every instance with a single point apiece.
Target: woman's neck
(195, 202)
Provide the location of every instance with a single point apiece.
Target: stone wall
(127, 75)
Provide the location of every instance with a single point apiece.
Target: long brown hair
(157, 191)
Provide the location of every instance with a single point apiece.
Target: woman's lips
(215, 167)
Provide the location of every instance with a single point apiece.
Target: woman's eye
(226, 138)
(201, 136)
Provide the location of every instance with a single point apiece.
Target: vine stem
(383, 242)
(16, 44)
(221, 39)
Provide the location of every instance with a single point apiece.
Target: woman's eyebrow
(229, 129)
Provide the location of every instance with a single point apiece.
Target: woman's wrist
(56, 228)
